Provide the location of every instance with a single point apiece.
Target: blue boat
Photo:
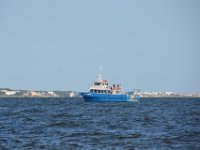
(100, 91)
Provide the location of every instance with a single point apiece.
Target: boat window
(97, 83)
(95, 91)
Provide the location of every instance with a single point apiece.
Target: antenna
(99, 77)
(100, 72)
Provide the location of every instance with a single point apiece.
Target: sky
(152, 45)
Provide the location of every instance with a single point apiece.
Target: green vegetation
(2, 94)
(62, 93)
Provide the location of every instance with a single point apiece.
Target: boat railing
(135, 94)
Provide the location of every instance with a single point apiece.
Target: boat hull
(95, 97)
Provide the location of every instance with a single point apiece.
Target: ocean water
(59, 123)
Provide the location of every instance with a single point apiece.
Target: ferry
(101, 91)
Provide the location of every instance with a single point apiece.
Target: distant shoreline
(167, 98)
(10, 93)
(181, 97)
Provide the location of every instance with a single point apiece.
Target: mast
(99, 77)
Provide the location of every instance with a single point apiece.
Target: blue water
(56, 123)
